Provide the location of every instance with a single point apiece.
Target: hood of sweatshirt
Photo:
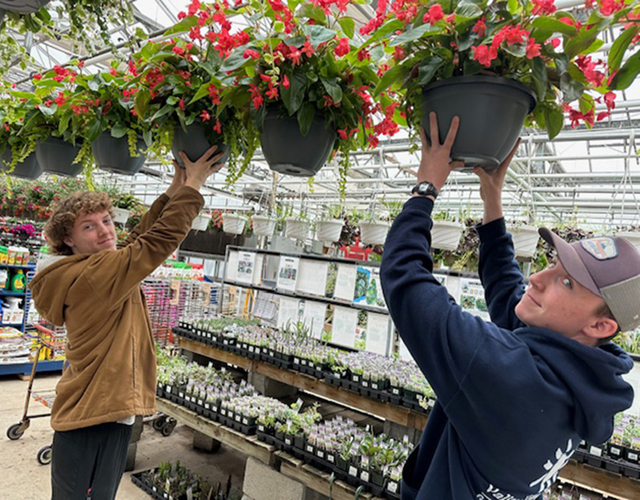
(592, 376)
(62, 272)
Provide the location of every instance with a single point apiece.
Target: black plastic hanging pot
(288, 151)
(23, 6)
(194, 143)
(491, 111)
(56, 157)
(112, 154)
(26, 169)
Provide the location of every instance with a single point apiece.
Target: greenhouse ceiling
(588, 175)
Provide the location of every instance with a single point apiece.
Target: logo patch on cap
(600, 248)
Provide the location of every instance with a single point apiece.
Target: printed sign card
(472, 298)
(312, 277)
(288, 273)
(345, 282)
(377, 333)
(246, 267)
(345, 322)
(313, 316)
(288, 312)
(231, 270)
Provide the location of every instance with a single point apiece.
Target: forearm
(492, 210)
(148, 218)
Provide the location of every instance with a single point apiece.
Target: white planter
(445, 235)
(201, 222)
(329, 230)
(120, 215)
(263, 225)
(632, 236)
(373, 233)
(233, 223)
(525, 240)
(296, 229)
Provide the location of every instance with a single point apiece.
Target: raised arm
(179, 179)
(499, 272)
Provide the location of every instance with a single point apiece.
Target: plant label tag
(633, 456)
(181, 394)
(364, 476)
(365, 383)
(188, 398)
(245, 421)
(321, 453)
(190, 493)
(238, 418)
(615, 450)
(356, 378)
(594, 450)
(331, 458)
(207, 406)
(261, 428)
(223, 412)
(297, 405)
(353, 471)
(200, 402)
(287, 441)
(395, 391)
(168, 389)
(431, 403)
(309, 448)
(392, 487)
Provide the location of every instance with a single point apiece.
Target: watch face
(423, 188)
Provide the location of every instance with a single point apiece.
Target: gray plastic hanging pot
(288, 151)
(491, 111)
(194, 143)
(26, 169)
(112, 154)
(23, 6)
(56, 157)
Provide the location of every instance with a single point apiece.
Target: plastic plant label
(207, 406)
(395, 391)
(614, 451)
(356, 378)
(181, 394)
(188, 398)
(392, 486)
(331, 458)
(238, 418)
(633, 456)
(287, 441)
(261, 428)
(168, 389)
(309, 448)
(353, 471)
(297, 405)
(245, 421)
(431, 403)
(189, 493)
(364, 476)
(223, 412)
(594, 450)
(365, 383)
(200, 402)
(320, 453)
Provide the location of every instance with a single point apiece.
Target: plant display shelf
(397, 414)
(600, 481)
(268, 454)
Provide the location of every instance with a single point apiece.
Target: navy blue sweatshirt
(513, 401)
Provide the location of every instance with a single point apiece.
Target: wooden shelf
(246, 444)
(600, 481)
(397, 414)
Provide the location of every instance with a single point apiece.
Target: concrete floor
(23, 478)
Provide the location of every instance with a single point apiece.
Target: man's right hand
(198, 172)
(491, 184)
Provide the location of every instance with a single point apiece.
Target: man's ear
(68, 241)
(602, 327)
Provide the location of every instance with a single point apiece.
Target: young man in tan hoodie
(93, 288)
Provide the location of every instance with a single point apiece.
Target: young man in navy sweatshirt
(515, 395)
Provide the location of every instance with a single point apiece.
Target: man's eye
(567, 282)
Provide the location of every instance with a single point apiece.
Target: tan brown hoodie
(111, 352)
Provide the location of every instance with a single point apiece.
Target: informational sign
(246, 267)
(345, 282)
(472, 298)
(313, 316)
(377, 333)
(368, 288)
(288, 273)
(345, 322)
(312, 277)
(288, 312)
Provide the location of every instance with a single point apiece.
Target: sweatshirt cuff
(492, 229)
(421, 203)
(186, 191)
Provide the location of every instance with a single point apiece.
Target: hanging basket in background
(373, 233)
(201, 222)
(120, 215)
(263, 225)
(329, 231)
(445, 235)
(233, 223)
(525, 240)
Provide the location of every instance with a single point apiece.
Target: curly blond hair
(65, 212)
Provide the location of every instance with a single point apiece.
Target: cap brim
(570, 260)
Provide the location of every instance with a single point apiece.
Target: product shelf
(397, 414)
(26, 266)
(6, 293)
(25, 368)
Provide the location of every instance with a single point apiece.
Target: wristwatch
(425, 188)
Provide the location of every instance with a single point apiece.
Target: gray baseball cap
(608, 267)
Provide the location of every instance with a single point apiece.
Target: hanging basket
(525, 240)
(296, 229)
(373, 233)
(112, 154)
(201, 222)
(445, 235)
(329, 231)
(632, 236)
(288, 151)
(491, 111)
(23, 6)
(194, 143)
(56, 157)
(120, 215)
(263, 225)
(233, 223)
(29, 168)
